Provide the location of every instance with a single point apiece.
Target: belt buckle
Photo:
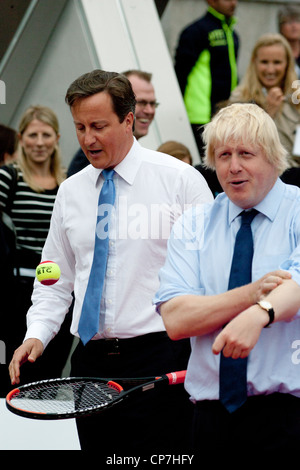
(114, 342)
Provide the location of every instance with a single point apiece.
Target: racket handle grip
(176, 377)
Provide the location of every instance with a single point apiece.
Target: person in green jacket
(206, 63)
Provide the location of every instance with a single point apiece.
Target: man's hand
(241, 334)
(29, 351)
(274, 99)
(263, 286)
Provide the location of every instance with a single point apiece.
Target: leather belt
(112, 346)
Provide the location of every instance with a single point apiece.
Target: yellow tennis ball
(48, 273)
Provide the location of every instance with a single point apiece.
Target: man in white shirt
(145, 109)
(152, 190)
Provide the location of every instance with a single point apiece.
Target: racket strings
(64, 398)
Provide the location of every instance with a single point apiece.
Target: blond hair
(47, 116)
(250, 88)
(248, 123)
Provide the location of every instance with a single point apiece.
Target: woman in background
(270, 82)
(28, 190)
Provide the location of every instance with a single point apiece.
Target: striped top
(31, 213)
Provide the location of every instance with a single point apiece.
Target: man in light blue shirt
(242, 144)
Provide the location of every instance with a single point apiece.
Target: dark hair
(8, 141)
(288, 12)
(116, 85)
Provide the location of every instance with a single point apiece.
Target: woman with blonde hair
(28, 190)
(28, 187)
(270, 82)
(46, 172)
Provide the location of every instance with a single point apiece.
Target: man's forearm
(191, 315)
(285, 300)
(241, 334)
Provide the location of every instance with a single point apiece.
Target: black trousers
(158, 421)
(264, 423)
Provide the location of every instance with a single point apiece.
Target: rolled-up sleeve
(180, 274)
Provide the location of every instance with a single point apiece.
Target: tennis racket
(72, 397)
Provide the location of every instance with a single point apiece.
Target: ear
(20, 138)
(129, 121)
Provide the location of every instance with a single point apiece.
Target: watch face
(265, 304)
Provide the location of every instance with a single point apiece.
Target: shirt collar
(268, 206)
(127, 168)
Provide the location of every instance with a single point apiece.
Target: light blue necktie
(89, 319)
(233, 372)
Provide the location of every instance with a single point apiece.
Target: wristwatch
(265, 305)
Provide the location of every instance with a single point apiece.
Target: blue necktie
(89, 319)
(233, 372)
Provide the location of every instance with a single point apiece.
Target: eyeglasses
(144, 103)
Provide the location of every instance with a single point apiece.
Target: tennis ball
(48, 273)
